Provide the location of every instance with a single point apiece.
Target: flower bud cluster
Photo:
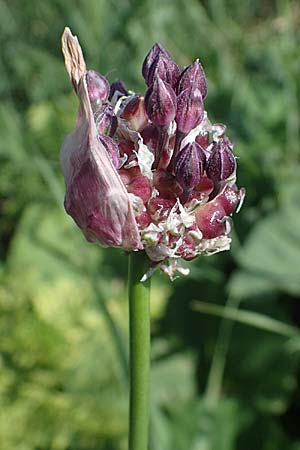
(149, 172)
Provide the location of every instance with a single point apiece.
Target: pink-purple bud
(151, 56)
(229, 198)
(165, 68)
(190, 110)
(189, 166)
(221, 164)
(210, 220)
(98, 88)
(193, 75)
(160, 102)
(135, 114)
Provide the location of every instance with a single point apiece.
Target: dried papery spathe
(95, 196)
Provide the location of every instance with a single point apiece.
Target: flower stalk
(139, 326)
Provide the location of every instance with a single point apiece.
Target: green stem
(139, 321)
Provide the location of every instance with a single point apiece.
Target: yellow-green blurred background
(217, 384)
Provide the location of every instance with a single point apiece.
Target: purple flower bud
(153, 53)
(190, 110)
(98, 88)
(117, 89)
(229, 198)
(106, 120)
(193, 75)
(189, 166)
(160, 102)
(221, 163)
(209, 218)
(135, 114)
(165, 68)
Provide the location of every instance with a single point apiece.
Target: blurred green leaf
(247, 318)
(271, 255)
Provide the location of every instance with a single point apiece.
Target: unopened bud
(193, 75)
(151, 56)
(117, 89)
(165, 68)
(230, 198)
(97, 87)
(134, 113)
(221, 163)
(190, 110)
(160, 102)
(189, 165)
(210, 220)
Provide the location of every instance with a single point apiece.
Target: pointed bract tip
(74, 60)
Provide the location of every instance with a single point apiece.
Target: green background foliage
(226, 340)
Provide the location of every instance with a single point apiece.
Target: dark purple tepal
(160, 103)
(222, 163)
(189, 166)
(190, 109)
(159, 62)
(193, 75)
(164, 68)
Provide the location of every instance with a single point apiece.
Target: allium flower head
(149, 173)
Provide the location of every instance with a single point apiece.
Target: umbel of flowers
(149, 172)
